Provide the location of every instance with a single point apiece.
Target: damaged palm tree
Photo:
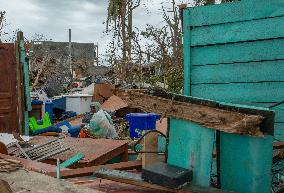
(120, 22)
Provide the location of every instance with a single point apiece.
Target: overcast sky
(53, 18)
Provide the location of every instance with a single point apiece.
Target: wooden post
(150, 144)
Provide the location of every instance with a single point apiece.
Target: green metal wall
(233, 53)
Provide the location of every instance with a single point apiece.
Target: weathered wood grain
(237, 32)
(238, 72)
(235, 12)
(210, 117)
(238, 52)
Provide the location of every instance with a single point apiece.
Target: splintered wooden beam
(229, 119)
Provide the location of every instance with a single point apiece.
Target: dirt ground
(32, 182)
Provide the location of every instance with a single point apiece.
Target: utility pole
(70, 54)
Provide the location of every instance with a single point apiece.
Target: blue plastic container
(141, 122)
(49, 109)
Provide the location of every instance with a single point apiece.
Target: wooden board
(9, 119)
(88, 171)
(210, 114)
(235, 12)
(238, 32)
(150, 144)
(271, 71)
(96, 151)
(33, 165)
(238, 52)
(241, 92)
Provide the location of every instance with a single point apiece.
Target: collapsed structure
(211, 139)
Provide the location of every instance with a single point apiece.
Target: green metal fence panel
(189, 149)
(242, 162)
(234, 53)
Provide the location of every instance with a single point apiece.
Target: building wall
(234, 53)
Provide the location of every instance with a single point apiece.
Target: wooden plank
(186, 189)
(235, 12)
(187, 53)
(33, 165)
(238, 32)
(210, 117)
(238, 72)
(96, 151)
(241, 92)
(187, 149)
(279, 110)
(9, 119)
(238, 52)
(87, 171)
(247, 161)
(150, 144)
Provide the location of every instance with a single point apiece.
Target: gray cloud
(53, 18)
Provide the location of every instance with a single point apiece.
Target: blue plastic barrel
(141, 122)
(49, 109)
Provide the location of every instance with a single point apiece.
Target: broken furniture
(96, 151)
(42, 151)
(44, 123)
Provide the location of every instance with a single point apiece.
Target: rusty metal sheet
(9, 121)
(96, 151)
(102, 92)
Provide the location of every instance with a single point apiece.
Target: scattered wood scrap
(9, 165)
(228, 121)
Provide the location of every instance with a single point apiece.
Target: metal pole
(70, 54)
(97, 54)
